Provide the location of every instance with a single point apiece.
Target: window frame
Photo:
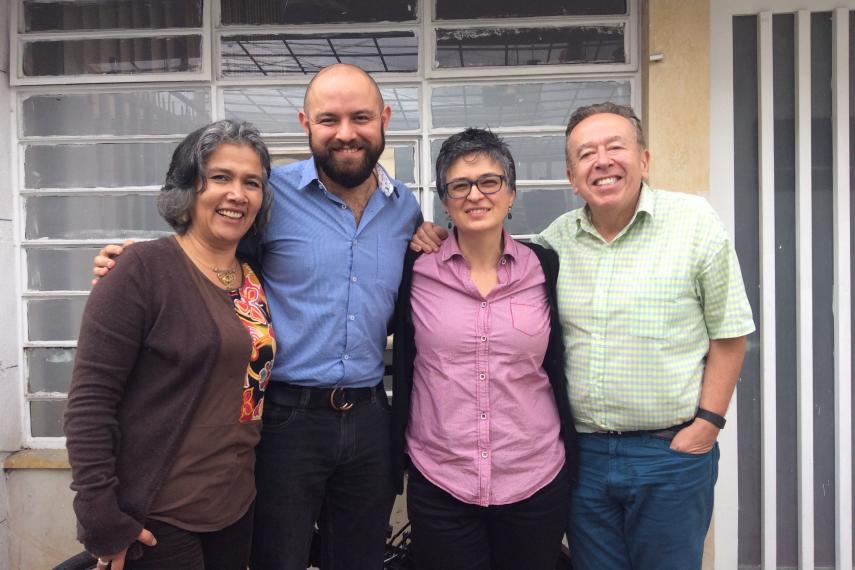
(425, 80)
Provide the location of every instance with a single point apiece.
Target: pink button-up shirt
(483, 422)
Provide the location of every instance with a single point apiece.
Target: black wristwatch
(712, 417)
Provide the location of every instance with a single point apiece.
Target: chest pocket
(528, 316)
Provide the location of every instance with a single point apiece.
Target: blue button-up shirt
(332, 285)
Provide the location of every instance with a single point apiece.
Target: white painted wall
(10, 379)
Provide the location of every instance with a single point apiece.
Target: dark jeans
(226, 549)
(449, 534)
(639, 504)
(318, 464)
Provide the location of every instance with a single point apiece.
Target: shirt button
(482, 376)
(353, 278)
(344, 206)
(483, 339)
(504, 261)
(351, 317)
(483, 303)
(347, 357)
(484, 454)
(483, 416)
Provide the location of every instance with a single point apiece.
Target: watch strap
(712, 417)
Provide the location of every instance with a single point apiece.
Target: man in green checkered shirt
(655, 318)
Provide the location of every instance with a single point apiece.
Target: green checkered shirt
(638, 313)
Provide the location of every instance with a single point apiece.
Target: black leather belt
(667, 433)
(339, 399)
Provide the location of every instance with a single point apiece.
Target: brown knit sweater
(147, 344)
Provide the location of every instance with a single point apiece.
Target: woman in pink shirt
(480, 408)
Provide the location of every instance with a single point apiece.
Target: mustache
(358, 145)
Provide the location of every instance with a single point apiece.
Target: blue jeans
(319, 464)
(639, 504)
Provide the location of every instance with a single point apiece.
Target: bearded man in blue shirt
(332, 257)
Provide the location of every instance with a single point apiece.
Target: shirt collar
(310, 175)
(646, 205)
(450, 248)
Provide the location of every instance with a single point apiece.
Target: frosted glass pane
(124, 113)
(54, 319)
(536, 158)
(822, 258)
(316, 11)
(746, 229)
(503, 47)
(93, 217)
(520, 104)
(534, 209)
(110, 14)
(49, 369)
(274, 110)
(112, 56)
(104, 165)
(473, 9)
(46, 418)
(60, 269)
(275, 55)
(400, 163)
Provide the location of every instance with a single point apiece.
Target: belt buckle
(344, 405)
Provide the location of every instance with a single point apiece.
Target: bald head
(336, 72)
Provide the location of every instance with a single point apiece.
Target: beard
(343, 172)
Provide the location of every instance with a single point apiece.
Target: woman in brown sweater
(174, 353)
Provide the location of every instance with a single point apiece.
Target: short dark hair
(624, 111)
(178, 194)
(474, 141)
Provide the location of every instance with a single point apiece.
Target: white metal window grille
(785, 91)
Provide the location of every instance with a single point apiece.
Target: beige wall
(676, 102)
(676, 93)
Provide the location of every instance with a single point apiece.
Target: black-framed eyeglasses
(486, 183)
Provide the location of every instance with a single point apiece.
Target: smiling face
(606, 166)
(226, 208)
(477, 212)
(345, 119)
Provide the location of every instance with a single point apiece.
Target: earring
(510, 215)
(450, 225)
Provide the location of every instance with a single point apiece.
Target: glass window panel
(46, 418)
(42, 16)
(503, 47)
(536, 158)
(822, 258)
(55, 319)
(785, 290)
(746, 229)
(112, 56)
(60, 269)
(49, 369)
(316, 11)
(274, 110)
(520, 104)
(474, 9)
(400, 163)
(266, 55)
(122, 113)
(94, 217)
(534, 209)
(105, 165)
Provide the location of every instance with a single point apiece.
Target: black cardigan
(404, 353)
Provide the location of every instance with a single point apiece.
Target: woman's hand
(117, 561)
